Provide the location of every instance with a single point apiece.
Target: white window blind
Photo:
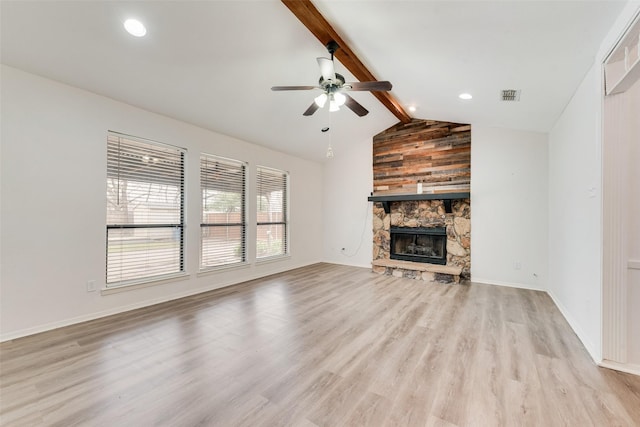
(223, 225)
(272, 200)
(145, 210)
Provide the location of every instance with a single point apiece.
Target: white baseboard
(588, 345)
(509, 285)
(147, 303)
(622, 367)
(347, 262)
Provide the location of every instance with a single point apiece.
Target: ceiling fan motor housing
(331, 85)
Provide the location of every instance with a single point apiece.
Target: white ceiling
(212, 63)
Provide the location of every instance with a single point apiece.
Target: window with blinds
(223, 224)
(273, 222)
(145, 210)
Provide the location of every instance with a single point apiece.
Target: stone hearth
(425, 213)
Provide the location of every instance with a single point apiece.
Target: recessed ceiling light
(465, 96)
(412, 109)
(135, 27)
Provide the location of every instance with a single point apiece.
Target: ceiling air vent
(510, 95)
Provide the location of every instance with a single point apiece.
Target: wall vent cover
(510, 95)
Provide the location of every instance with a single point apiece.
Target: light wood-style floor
(323, 345)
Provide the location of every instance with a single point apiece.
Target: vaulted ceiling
(212, 63)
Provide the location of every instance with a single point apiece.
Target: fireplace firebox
(419, 244)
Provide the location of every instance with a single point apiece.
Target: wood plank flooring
(324, 345)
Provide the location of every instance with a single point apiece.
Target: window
(272, 230)
(223, 224)
(145, 210)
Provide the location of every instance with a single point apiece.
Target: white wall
(508, 207)
(575, 201)
(53, 203)
(348, 181)
(574, 213)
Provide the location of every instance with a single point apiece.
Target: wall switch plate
(91, 286)
(517, 265)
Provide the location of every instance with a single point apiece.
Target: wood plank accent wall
(438, 154)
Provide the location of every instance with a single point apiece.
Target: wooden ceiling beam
(311, 18)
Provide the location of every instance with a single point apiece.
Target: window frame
(180, 226)
(243, 214)
(286, 214)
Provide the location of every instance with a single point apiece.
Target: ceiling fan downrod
(332, 47)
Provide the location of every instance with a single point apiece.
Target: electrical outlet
(91, 286)
(517, 265)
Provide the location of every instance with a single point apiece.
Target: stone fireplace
(452, 229)
(421, 200)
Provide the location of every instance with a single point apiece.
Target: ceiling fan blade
(275, 88)
(312, 109)
(326, 68)
(370, 86)
(355, 106)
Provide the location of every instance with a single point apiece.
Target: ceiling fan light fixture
(339, 98)
(334, 104)
(135, 27)
(321, 99)
(330, 152)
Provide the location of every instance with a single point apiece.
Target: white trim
(222, 268)
(108, 290)
(146, 140)
(505, 284)
(615, 230)
(633, 264)
(582, 336)
(622, 367)
(270, 259)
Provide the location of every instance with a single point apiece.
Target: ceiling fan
(334, 87)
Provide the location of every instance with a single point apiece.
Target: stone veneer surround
(427, 213)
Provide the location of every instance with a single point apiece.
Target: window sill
(223, 268)
(147, 283)
(273, 259)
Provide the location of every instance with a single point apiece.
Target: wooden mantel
(447, 198)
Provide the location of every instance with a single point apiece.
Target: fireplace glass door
(419, 244)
